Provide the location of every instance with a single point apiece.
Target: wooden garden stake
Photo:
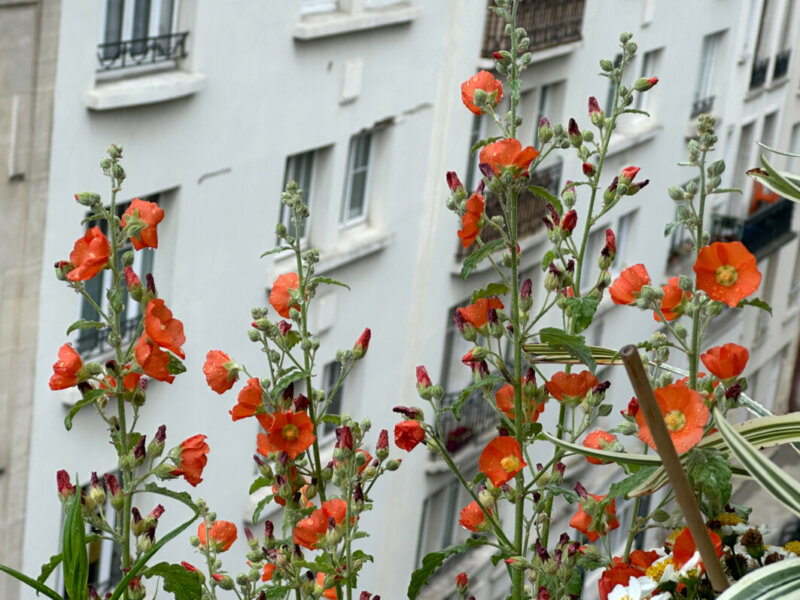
(672, 465)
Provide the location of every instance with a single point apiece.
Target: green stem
(694, 354)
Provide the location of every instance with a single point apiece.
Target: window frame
(307, 186)
(330, 375)
(312, 7)
(345, 221)
(708, 58)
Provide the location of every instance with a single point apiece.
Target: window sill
(538, 56)
(633, 136)
(147, 89)
(320, 25)
(351, 246)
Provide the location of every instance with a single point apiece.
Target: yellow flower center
(290, 432)
(728, 518)
(510, 463)
(727, 275)
(793, 547)
(656, 570)
(675, 420)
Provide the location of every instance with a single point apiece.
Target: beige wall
(28, 43)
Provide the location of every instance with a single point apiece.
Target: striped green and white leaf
(784, 488)
(545, 353)
(784, 184)
(778, 581)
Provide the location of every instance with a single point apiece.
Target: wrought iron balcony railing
(548, 23)
(763, 232)
(92, 343)
(781, 63)
(702, 105)
(758, 76)
(165, 48)
(530, 208)
(476, 417)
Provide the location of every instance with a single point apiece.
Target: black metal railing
(781, 64)
(702, 105)
(92, 343)
(548, 23)
(530, 207)
(763, 232)
(758, 76)
(476, 417)
(142, 51)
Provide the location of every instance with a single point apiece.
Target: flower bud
(588, 169)
(574, 132)
(644, 83)
(545, 133)
(362, 344)
(393, 464)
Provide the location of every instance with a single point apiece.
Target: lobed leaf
(183, 584)
(434, 560)
(88, 398)
(574, 345)
(85, 324)
(491, 290)
(477, 255)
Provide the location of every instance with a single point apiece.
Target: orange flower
(308, 531)
(626, 288)
(671, 300)
(90, 255)
(151, 215)
(726, 361)
(162, 328)
(222, 534)
(571, 386)
(684, 547)
(477, 314)
(220, 371)
(470, 219)
(485, 81)
(192, 459)
(152, 359)
(66, 369)
(507, 153)
(621, 572)
(269, 570)
(407, 434)
(596, 441)
(501, 460)
(290, 432)
(727, 272)
(473, 518)
(684, 413)
(582, 521)
(279, 297)
(329, 593)
(249, 400)
(505, 402)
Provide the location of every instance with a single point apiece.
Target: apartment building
(358, 100)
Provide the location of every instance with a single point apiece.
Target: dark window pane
(113, 29)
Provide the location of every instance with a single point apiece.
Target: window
(758, 75)
(743, 153)
(476, 133)
(316, 6)
(545, 110)
(794, 148)
(354, 207)
(439, 526)
(703, 96)
(623, 234)
(794, 291)
(139, 33)
(650, 66)
(594, 244)
(768, 131)
(331, 373)
(299, 168)
(612, 87)
(91, 343)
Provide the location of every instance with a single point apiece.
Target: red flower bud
(628, 174)
(362, 344)
(632, 410)
(423, 381)
(570, 220)
(383, 440)
(588, 169)
(65, 488)
(284, 327)
(344, 438)
(594, 106)
(453, 182)
(462, 583)
(497, 55)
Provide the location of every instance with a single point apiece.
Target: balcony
(476, 417)
(762, 232)
(781, 67)
(548, 23)
(530, 208)
(701, 106)
(93, 344)
(758, 75)
(142, 52)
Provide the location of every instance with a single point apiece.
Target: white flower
(638, 588)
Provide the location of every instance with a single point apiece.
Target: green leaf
(49, 567)
(574, 345)
(481, 143)
(486, 382)
(548, 257)
(259, 483)
(545, 195)
(786, 185)
(757, 302)
(291, 338)
(85, 324)
(582, 311)
(622, 458)
(88, 398)
(778, 581)
(275, 251)
(184, 497)
(472, 261)
(76, 560)
(434, 560)
(670, 227)
(333, 419)
(183, 584)
(287, 378)
(491, 290)
(175, 366)
(277, 591)
(784, 488)
(710, 474)
(37, 585)
(544, 353)
(260, 506)
(329, 281)
(556, 490)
